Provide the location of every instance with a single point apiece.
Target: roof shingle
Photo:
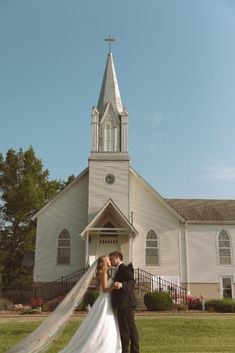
(204, 210)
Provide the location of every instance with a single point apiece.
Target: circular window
(109, 179)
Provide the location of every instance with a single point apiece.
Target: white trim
(187, 257)
(64, 247)
(130, 248)
(158, 248)
(94, 220)
(180, 252)
(87, 249)
(210, 222)
(230, 248)
(109, 231)
(221, 285)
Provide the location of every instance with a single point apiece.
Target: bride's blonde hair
(100, 269)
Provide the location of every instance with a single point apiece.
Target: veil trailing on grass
(41, 338)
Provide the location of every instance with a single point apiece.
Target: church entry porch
(108, 231)
(104, 240)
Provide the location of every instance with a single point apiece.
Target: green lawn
(172, 335)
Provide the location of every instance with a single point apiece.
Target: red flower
(36, 302)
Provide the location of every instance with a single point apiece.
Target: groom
(123, 299)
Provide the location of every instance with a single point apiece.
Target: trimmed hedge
(158, 301)
(220, 305)
(89, 298)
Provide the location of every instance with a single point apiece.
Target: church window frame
(109, 179)
(64, 248)
(226, 287)
(152, 248)
(224, 248)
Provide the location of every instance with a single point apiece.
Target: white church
(109, 206)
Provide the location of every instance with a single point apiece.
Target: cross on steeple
(109, 39)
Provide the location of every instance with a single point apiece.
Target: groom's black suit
(124, 301)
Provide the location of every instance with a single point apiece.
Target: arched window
(63, 253)
(152, 249)
(224, 247)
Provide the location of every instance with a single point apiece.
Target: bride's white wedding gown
(99, 332)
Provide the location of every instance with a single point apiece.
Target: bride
(99, 331)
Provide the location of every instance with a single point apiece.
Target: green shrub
(5, 304)
(90, 297)
(210, 305)
(157, 301)
(181, 307)
(28, 311)
(220, 305)
(81, 306)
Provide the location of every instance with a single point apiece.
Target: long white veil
(41, 338)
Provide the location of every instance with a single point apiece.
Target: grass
(173, 335)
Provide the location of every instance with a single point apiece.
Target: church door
(107, 244)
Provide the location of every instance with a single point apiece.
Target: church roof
(204, 210)
(109, 90)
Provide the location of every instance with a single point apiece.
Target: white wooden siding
(100, 192)
(150, 213)
(204, 264)
(69, 211)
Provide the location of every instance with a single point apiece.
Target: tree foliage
(24, 188)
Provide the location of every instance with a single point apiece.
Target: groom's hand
(117, 285)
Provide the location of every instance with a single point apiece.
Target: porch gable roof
(94, 226)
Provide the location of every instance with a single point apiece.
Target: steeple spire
(109, 118)
(109, 90)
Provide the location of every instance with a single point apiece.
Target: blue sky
(175, 63)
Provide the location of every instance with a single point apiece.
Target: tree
(24, 188)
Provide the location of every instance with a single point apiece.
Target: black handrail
(144, 281)
(59, 287)
(150, 283)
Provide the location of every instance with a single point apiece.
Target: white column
(130, 248)
(87, 248)
(95, 130)
(187, 257)
(124, 131)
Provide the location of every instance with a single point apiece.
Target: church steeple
(109, 162)
(110, 91)
(109, 118)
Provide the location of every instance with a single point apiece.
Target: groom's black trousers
(128, 330)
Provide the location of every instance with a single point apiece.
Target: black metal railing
(59, 287)
(149, 283)
(144, 281)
